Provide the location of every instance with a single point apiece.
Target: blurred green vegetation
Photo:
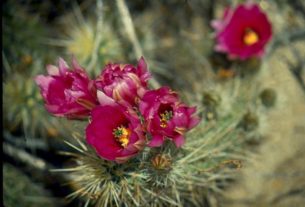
(20, 191)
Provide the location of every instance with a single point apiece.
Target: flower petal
(103, 99)
(156, 141)
(179, 140)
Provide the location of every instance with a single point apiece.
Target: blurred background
(176, 39)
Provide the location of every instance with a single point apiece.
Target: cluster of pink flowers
(125, 115)
(243, 32)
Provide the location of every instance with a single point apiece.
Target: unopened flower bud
(161, 162)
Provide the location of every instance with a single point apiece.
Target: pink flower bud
(125, 84)
(67, 93)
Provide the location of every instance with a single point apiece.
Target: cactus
(92, 41)
(167, 175)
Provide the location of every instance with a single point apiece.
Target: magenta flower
(243, 32)
(124, 83)
(115, 133)
(67, 93)
(166, 116)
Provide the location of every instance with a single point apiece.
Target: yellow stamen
(122, 135)
(250, 37)
(163, 124)
(166, 116)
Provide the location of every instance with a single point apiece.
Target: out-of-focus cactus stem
(98, 38)
(132, 36)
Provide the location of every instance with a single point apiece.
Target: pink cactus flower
(166, 117)
(125, 84)
(243, 32)
(67, 93)
(115, 133)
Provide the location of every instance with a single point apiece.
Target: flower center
(122, 135)
(165, 117)
(250, 37)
